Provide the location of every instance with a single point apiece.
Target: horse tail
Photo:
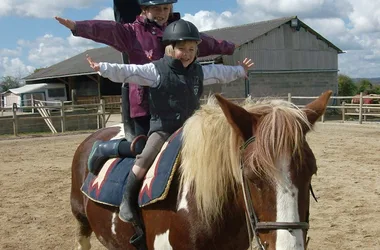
(77, 199)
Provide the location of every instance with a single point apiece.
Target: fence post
(343, 111)
(289, 97)
(103, 112)
(361, 108)
(15, 121)
(73, 96)
(63, 117)
(32, 103)
(98, 118)
(121, 110)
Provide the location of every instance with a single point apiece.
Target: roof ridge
(253, 23)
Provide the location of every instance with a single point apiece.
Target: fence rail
(50, 111)
(360, 110)
(103, 110)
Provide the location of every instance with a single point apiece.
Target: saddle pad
(108, 186)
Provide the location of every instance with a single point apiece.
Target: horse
(244, 176)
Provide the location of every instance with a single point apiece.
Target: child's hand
(66, 22)
(246, 64)
(93, 64)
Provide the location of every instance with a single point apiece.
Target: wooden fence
(340, 105)
(343, 106)
(63, 112)
(103, 110)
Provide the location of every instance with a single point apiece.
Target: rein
(253, 224)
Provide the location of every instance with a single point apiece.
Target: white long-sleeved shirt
(147, 75)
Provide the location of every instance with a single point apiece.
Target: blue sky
(32, 38)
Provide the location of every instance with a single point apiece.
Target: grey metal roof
(31, 88)
(244, 33)
(78, 65)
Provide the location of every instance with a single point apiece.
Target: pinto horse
(244, 174)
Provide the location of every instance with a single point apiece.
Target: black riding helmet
(155, 2)
(180, 30)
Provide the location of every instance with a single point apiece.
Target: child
(141, 40)
(176, 83)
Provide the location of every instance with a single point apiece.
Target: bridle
(253, 224)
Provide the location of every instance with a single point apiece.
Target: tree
(365, 85)
(376, 90)
(38, 69)
(346, 86)
(9, 82)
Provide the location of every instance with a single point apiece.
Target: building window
(56, 92)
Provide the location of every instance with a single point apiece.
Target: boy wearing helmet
(141, 40)
(176, 83)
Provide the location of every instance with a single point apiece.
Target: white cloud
(365, 17)
(207, 20)
(45, 51)
(11, 52)
(335, 30)
(5, 7)
(48, 50)
(14, 67)
(310, 8)
(42, 52)
(79, 43)
(42, 8)
(105, 14)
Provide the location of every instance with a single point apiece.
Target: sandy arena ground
(35, 184)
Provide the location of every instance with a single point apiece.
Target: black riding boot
(102, 151)
(129, 207)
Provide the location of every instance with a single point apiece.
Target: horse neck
(230, 225)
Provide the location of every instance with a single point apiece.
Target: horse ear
(240, 119)
(316, 108)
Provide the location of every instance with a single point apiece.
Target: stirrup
(138, 239)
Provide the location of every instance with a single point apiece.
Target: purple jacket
(142, 41)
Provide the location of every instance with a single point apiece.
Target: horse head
(277, 167)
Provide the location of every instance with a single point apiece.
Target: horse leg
(83, 234)
(84, 229)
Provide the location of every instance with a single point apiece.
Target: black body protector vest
(177, 95)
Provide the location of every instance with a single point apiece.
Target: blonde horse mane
(211, 149)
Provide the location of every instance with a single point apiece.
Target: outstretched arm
(211, 46)
(70, 24)
(119, 36)
(144, 75)
(218, 73)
